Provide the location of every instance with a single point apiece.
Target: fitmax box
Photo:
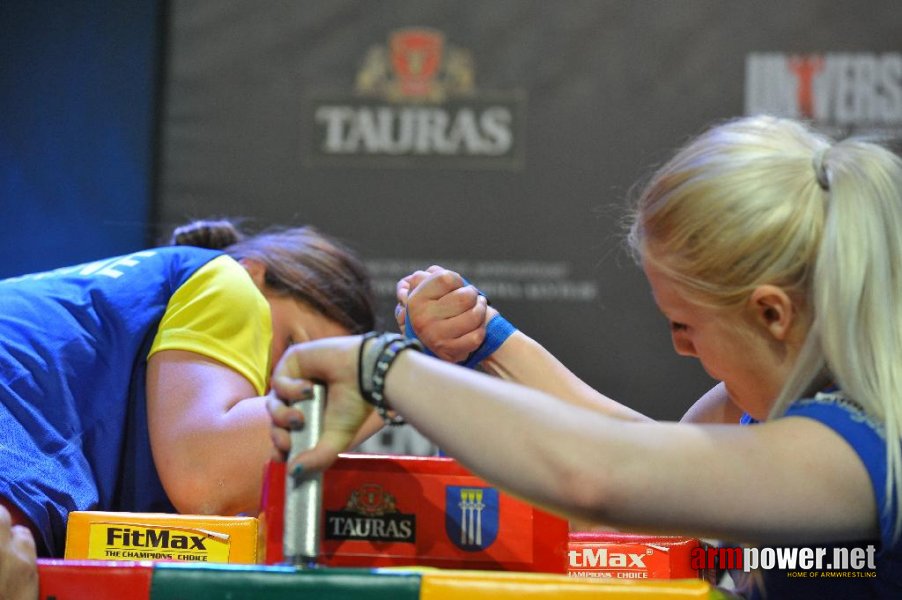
(126, 536)
(412, 510)
(616, 555)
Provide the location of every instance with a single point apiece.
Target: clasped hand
(448, 315)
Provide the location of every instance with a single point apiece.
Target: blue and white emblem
(471, 516)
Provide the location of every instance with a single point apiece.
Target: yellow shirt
(219, 313)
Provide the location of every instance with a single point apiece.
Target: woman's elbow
(589, 494)
(205, 492)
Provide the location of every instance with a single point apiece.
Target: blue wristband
(496, 333)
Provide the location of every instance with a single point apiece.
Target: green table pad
(178, 581)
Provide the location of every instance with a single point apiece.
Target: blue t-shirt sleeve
(866, 438)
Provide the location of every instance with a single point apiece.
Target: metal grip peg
(304, 491)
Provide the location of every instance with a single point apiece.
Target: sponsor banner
(416, 104)
(371, 514)
(413, 129)
(840, 92)
(615, 555)
(116, 536)
(113, 541)
(428, 511)
(427, 515)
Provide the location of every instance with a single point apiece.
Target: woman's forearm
(545, 468)
(523, 360)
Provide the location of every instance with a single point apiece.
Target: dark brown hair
(300, 261)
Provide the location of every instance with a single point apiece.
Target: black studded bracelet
(374, 361)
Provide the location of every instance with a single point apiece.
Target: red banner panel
(430, 511)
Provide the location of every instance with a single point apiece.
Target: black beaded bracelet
(373, 366)
(366, 337)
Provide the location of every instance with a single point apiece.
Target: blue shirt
(868, 440)
(73, 356)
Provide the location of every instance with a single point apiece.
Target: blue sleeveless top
(73, 356)
(868, 440)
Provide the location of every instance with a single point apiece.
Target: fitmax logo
(152, 538)
(600, 558)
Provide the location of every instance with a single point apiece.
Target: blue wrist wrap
(496, 332)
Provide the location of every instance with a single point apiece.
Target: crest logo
(371, 514)
(371, 500)
(414, 104)
(417, 66)
(471, 517)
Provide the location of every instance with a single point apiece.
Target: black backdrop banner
(501, 138)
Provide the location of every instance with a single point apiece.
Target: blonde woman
(776, 256)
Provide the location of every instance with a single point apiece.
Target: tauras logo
(416, 130)
(370, 514)
(153, 538)
(601, 558)
(397, 528)
(415, 102)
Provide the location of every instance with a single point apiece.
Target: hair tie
(820, 169)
